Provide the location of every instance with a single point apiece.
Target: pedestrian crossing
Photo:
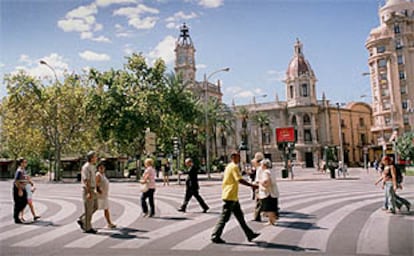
(312, 216)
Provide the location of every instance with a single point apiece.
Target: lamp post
(206, 78)
(341, 149)
(55, 118)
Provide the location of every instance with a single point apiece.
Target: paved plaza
(319, 216)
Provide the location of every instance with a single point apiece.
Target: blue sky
(254, 38)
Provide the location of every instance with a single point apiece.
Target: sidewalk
(300, 174)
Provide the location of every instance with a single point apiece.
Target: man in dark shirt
(192, 187)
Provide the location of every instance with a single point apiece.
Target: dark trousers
(190, 193)
(20, 202)
(150, 195)
(258, 210)
(230, 207)
(399, 201)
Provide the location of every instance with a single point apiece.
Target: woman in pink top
(148, 177)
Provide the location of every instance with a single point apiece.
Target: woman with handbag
(148, 188)
(102, 187)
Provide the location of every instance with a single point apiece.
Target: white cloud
(121, 31)
(128, 50)
(211, 3)
(105, 3)
(34, 68)
(146, 23)
(239, 92)
(82, 12)
(93, 56)
(2, 65)
(178, 17)
(164, 50)
(74, 25)
(135, 16)
(83, 21)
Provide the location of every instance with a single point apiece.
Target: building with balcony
(391, 66)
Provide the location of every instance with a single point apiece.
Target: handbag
(144, 187)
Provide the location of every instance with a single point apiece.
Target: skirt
(103, 203)
(270, 204)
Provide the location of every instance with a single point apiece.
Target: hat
(258, 156)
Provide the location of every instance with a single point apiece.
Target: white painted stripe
(318, 239)
(165, 231)
(65, 211)
(373, 238)
(126, 219)
(202, 239)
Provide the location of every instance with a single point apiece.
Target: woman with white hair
(268, 192)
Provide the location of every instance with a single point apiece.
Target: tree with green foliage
(405, 146)
(263, 120)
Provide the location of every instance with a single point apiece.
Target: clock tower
(184, 55)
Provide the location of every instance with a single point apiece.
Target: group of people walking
(95, 191)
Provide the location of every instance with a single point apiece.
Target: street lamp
(341, 149)
(43, 62)
(206, 78)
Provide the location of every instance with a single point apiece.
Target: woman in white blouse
(268, 192)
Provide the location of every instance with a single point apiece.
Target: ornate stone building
(391, 66)
(317, 123)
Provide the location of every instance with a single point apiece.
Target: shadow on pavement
(296, 215)
(297, 225)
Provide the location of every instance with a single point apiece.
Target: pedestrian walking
(389, 183)
(166, 173)
(30, 189)
(19, 191)
(102, 189)
(230, 187)
(148, 178)
(89, 197)
(268, 192)
(258, 157)
(192, 187)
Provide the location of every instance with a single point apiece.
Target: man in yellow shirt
(230, 186)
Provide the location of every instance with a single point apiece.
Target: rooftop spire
(184, 38)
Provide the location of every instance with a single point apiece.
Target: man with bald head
(192, 187)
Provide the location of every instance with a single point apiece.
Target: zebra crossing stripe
(20, 229)
(165, 231)
(318, 239)
(67, 209)
(202, 239)
(374, 236)
(124, 220)
(271, 233)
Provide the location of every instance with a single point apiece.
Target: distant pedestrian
(290, 168)
(19, 191)
(192, 187)
(102, 189)
(166, 174)
(230, 187)
(90, 200)
(149, 178)
(268, 192)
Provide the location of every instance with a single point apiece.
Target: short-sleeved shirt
(230, 184)
(88, 173)
(149, 174)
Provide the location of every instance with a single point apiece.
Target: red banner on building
(286, 134)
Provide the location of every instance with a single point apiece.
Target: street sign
(286, 134)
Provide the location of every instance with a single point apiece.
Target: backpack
(398, 171)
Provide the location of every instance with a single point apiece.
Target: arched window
(306, 120)
(294, 122)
